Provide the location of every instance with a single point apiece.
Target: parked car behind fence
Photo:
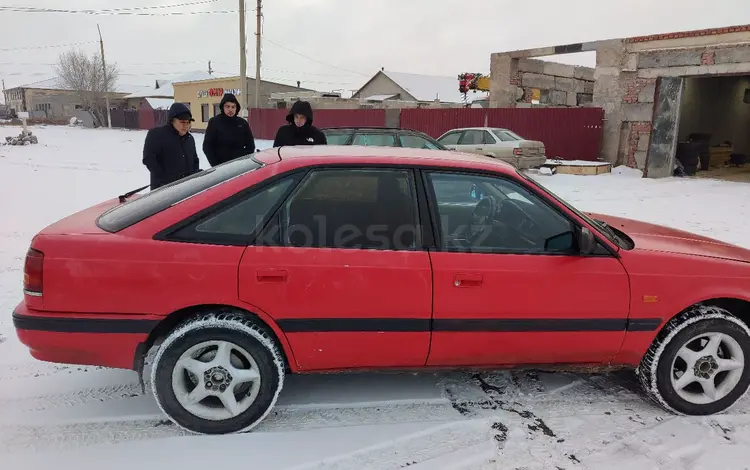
(502, 144)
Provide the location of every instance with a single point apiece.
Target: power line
(310, 58)
(133, 11)
(47, 47)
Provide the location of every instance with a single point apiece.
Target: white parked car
(502, 144)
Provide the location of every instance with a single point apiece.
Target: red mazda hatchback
(327, 258)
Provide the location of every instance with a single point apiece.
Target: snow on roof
(164, 90)
(379, 97)
(200, 75)
(160, 103)
(432, 87)
(56, 84)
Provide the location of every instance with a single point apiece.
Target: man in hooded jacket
(300, 130)
(169, 151)
(228, 136)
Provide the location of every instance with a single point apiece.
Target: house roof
(55, 84)
(429, 87)
(160, 103)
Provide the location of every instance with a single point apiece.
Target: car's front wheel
(696, 365)
(217, 374)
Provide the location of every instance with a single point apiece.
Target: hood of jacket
(178, 109)
(303, 108)
(229, 98)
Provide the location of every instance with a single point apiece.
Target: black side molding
(82, 325)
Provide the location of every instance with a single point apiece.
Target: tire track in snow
(409, 450)
(70, 399)
(33, 438)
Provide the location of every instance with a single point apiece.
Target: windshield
(135, 210)
(603, 229)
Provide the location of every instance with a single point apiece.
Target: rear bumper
(86, 339)
(524, 163)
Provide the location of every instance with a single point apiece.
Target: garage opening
(714, 127)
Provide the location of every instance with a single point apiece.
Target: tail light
(32, 273)
(517, 152)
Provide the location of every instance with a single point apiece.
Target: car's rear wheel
(696, 365)
(217, 374)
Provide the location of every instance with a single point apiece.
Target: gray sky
(344, 41)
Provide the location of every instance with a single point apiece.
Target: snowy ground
(91, 418)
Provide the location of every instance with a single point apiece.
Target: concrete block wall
(560, 85)
(631, 100)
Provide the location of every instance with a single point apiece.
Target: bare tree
(84, 74)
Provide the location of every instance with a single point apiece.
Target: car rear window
(153, 202)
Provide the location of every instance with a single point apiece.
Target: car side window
(450, 139)
(471, 138)
(416, 142)
(239, 220)
(488, 138)
(338, 138)
(375, 140)
(497, 215)
(352, 208)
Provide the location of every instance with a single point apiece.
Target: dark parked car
(381, 137)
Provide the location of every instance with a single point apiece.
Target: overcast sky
(332, 44)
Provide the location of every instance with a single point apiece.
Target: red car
(328, 258)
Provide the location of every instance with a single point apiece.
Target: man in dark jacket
(169, 151)
(228, 136)
(300, 130)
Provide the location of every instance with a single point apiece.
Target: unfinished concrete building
(656, 91)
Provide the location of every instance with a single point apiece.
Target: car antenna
(124, 197)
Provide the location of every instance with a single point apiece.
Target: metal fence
(567, 133)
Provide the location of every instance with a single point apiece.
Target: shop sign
(218, 92)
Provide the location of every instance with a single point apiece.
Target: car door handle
(272, 275)
(467, 280)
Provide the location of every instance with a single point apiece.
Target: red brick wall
(691, 34)
(638, 130)
(708, 58)
(633, 87)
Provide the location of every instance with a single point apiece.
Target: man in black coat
(300, 130)
(169, 151)
(228, 136)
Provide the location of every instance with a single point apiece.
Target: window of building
(352, 208)
(217, 109)
(204, 113)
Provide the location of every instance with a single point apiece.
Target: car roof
(476, 129)
(367, 128)
(312, 155)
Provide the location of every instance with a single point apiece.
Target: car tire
(218, 373)
(707, 342)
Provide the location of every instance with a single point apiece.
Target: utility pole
(104, 71)
(243, 61)
(258, 14)
(210, 71)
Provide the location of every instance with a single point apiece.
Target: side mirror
(586, 241)
(562, 242)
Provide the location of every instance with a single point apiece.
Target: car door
(517, 291)
(342, 270)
